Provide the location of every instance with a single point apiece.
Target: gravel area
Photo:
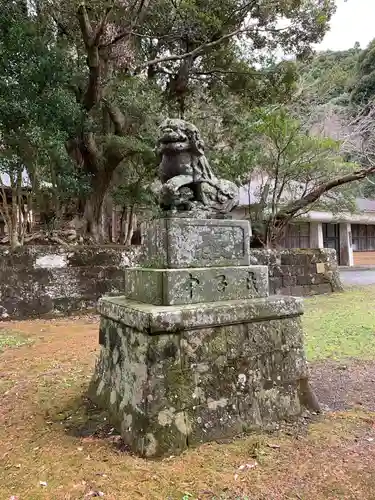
(342, 386)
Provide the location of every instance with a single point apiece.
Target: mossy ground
(53, 445)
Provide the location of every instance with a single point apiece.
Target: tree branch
(116, 116)
(128, 31)
(294, 207)
(63, 29)
(207, 45)
(85, 25)
(93, 92)
(118, 38)
(4, 205)
(225, 72)
(193, 53)
(100, 29)
(90, 153)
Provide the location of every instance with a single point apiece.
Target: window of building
(363, 237)
(297, 235)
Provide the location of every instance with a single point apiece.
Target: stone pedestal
(195, 350)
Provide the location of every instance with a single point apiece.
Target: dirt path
(342, 386)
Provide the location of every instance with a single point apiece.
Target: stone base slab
(174, 377)
(168, 319)
(190, 286)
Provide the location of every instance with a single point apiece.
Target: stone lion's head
(179, 136)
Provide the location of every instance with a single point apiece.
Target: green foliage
(103, 98)
(327, 76)
(142, 99)
(135, 187)
(363, 88)
(37, 112)
(272, 141)
(232, 65)
(284, 162)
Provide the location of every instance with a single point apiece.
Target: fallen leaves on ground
(49, 433)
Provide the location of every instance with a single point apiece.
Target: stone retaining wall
(40, 280)
(300, 272)
(36, 281)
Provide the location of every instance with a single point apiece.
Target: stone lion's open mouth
(172, 136)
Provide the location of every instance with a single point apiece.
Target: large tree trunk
(94, 204)
(130, 226)
(123, 219)
(14, 222)
(93, 212)
(14, 238)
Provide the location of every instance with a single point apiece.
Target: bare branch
(129, 30)
(101, 27)
(118, 38)
(207, 45)
(293, 208)
(225, 72)
(85, 25)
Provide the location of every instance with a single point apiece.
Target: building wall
(363, 240)
(353, 236)
(364, 258)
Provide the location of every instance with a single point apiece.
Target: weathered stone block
(282, 271)
(190, 286)
(171, 319)
(321, 289)
(289, 281)
(215, 420)
(175, 376)
(297, 291)
(200, 346)
(180, 243)
(275, 286)
(38, 280)
(302, 264)
(304, 279)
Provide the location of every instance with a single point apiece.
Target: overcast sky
(354, 21)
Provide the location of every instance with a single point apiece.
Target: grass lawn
(45, 455)
(341, 325)
(10, 338)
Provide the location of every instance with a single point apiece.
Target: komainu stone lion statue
(188, 183)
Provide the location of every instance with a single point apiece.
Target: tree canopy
(84, 85)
